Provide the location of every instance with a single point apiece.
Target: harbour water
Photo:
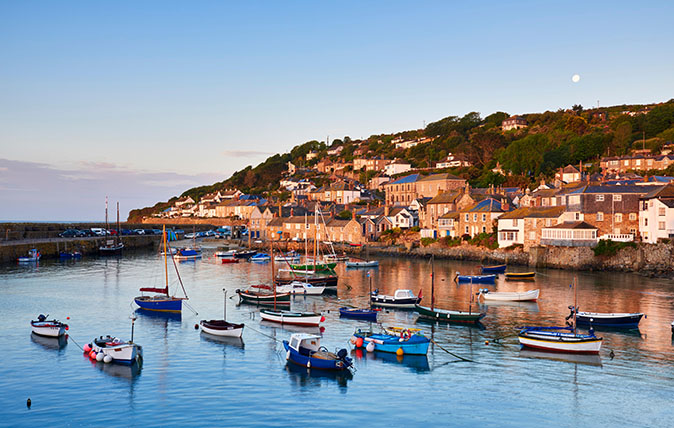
(188, 378)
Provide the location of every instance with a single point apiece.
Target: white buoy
(370, 347)
(100, 356)
(107, 359)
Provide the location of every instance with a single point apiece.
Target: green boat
(318, 267)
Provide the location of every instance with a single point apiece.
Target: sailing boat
(562, 339)
(163, 301)
(313, 265)
(260, 297)
(308, 319)
(222, 327)
(444, 315)
(111, 246)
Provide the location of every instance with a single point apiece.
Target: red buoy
(359, 342)
(322, 319)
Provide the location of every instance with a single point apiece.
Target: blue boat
(305, 350)
(618, 320)
(493, 269)
(187, 254)
(359, 314)
(410, 343)
(260, 257)
(476, 279)
(73, 255)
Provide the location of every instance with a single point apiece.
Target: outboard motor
(41, 317)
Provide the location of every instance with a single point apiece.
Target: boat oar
(451, 353)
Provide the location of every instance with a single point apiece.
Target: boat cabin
(305, 343)
(404, 294)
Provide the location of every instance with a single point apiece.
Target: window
(633, 231)
(633, 216)
(618, 218)
(484, 217)
(661, 225)
(484, 229)
(600, 216)
(467, 217)
(661, 211)
(514, 222)
(475, 217)
(645, 221)
(599, 198)
(577, 216)
(617, 198)
(466, 230)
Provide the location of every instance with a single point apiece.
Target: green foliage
(488, 240)
(448, 241)
(415, 229)
(425, 242)
(608, 248)
(344, 215)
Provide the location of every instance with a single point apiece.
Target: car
(127, 232)
(87, 232)
(138, 232)
(98, 231)
(191, 235)
(70, 233)
(156, 231)
(258, 241)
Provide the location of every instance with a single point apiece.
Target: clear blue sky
(142, 100)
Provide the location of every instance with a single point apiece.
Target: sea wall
(645, 259)
(195, 221)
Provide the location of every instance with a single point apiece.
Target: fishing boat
(443, 315)
(245, 254)
(493, 269)
(308, 319)
(48, 328)
(222, 327)
(290, 257)
(519, 276)
(32, 257)
(300, 287)
(187, 254)
(476, 279)
(505, 296)
(258, 295)
(402, 299)
(611, 320)
(110, 349)
(305, 350)
(362, 264)
(406, 343)
(313, 267)
(358, 314)
(228, 260)
(260, 257)
(63, 255)
(561, 339)
(111, 246)
(162, 301)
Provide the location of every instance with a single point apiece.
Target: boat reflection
(293, 328)
(236, 342)
(52, 343)
(476, 325)
(416, 363)
(529, 306)
(586, 359)
(304, 377)
(157, 315)
(121, 371)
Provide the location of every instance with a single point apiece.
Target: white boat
(291, 257)
(507, 296)
(559, 339)
(299, 287)
(222, 327)
(33, 256)
(404, 299)
(336, 258)
(44, 327)
(361, 264)
(226, 254)
(111, 349)
(292, 317)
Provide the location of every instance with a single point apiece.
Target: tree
(622, 137)
(577, 108)
(344, 215)
(483, 145)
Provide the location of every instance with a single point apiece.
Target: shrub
(488, 240)
(608, 248)
(428, 241)
(450, 242)
(415, 229)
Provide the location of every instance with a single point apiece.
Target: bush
(415, 229)
(448, 241)
(428, 241)
(608, 248)
(488, 240)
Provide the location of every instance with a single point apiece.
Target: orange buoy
(359, 342)
(400, 352)
(322, 319)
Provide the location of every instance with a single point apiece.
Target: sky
(140, 101)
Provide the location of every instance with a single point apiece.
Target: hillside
(551, 140)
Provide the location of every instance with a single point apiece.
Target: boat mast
(306, 239)
(575, 302)
(433, 284)
(315, 236)
(224, 290)
(271, 256)
(119, 231)
(369, 277)
(106, 220)
(163, 235)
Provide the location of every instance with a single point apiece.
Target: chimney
(386, 210)
(292, 212)
(280, 210)
(504, 204)
(353, 214)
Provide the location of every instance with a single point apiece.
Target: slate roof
(412, 178)
(534, 212)
(572, 225)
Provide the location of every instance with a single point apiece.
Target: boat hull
(392, 302)
(221, 328)
(264, 299)
(48, 329)
(319, 267)
(293, 318)
(110, 250)
(442, 315)
(520, 276)
(127, 353)
(526, 296)
(358, 314)
(319, 281)
(415, 345)
(372, 263)
(566, 342)
(313, 363)
(609, 320)
(167, 304)
(493, 269)
(477, 279)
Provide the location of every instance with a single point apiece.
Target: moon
(575, 78)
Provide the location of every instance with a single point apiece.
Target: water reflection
(586, 359)
(291, 328)
(235, 342)
(52, 343)
(156, 315)
(416, 363)
(304, 377)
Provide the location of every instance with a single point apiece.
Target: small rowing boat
(476, 279)
(305, 350)
(44, 327)
(519, 275)
(358, 314)
(493, 269)
(307, 319)
(362, 264)
(617, 320)
(506, 296)
(559, 339)
(222, 327)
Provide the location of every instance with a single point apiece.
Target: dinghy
(308, 319)
(407, 342)
(44, 327)
(519, 276)
(476, 279)
(505, 296)
(493, 269)
(222, 327)
(611, 320)
(359, 314)
(362, 264)
(305, 350)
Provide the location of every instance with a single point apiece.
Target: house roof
(486, 205)
(412, 178)
(446, 198)
(442, 176)
(450, 214)
(572, 225)
(534, 212)
(570, 169)
(660, 192)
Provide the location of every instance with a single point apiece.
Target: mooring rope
(75, 342)
(451, 353)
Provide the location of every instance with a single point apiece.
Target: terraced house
(410, 187)
(481, 217)
(525, 225)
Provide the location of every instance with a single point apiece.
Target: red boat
(229, 260)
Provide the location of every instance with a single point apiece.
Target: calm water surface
(188, 378)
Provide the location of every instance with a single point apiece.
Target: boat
(222, 327)
(225, 254)
(187, 254)
(305, 350)
(476, 279)
(33, 256)
(516, 296)
(359, 314)
(319, 281)
(171, 251)
(493, 269)
(406, 343)
(162, 301)
(443, 315)
(258, 295)
(336, 258)
(362, 264)
(290, 257)
(110, 349)
(48, 328)
(310, 266)
(561, 339)
(260, 257)
(245, 254)
(611, 320)
(63, 255)
(510, 276)
(111, 246)
(308, 319)
(404, 299)
(300, 287)
(228, 260)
